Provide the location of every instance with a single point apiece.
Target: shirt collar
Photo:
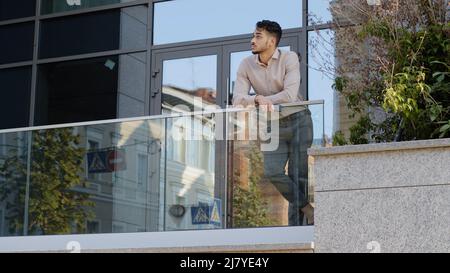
(275, 56)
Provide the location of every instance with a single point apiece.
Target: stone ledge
(263, 248)
(381, 147)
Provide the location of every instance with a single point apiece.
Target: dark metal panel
(92, 9)
(34, 71)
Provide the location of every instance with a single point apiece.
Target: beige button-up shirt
(279, 81)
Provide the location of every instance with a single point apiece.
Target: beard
(262, 49)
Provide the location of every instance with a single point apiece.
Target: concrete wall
(384, 197)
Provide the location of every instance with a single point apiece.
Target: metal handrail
(154, 117)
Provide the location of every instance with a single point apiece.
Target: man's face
(262, 41)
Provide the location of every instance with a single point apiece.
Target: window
(16, 43)
(91, 89)
(142, 174)
(2, 147)
(180, 144)
(186, 81)
(118, 228)
(92, 147)
(102, 31)
(52, 6)
(203, 19)
(77, 91)
(12, 9)
(1, 222)
(170, 143)
(15, 90)
(93, 227)
(319, 11)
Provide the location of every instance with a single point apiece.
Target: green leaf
(445, 128)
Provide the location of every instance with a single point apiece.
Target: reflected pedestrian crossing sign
(215, 213)
(96, 163)
(200, 215)
(107, 161)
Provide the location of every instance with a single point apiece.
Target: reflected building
(190, 157)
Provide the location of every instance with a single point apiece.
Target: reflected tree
(250, 209)
(57, 203)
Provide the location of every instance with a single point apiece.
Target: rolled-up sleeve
(242, 87)
(290, 93)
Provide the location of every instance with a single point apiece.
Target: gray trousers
(295, 137)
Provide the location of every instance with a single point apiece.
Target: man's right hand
(264, 103)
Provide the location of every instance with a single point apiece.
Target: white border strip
(158, 240)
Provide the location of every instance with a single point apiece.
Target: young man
(275, 77)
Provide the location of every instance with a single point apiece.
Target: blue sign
(215, 213)
(107, 161)
(205, 214)
(200, 214)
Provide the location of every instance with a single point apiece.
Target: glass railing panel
(216, 169)
(92, 179)
(194, 198)
(269, 168)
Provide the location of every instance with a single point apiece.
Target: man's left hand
(264, 103)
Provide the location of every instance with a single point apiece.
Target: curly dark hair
(271, 27)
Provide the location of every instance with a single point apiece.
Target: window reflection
(190, 83)
(52, 6)
(62, 200)
(13, 162)
(109, 30)
(16, 9)
(15, 86)
(94, 89)
(190, 173)
(16, 43)
(203, 19)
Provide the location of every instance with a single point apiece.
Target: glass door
(199, 168)
(187, 81)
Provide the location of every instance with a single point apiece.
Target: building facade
(87, 61)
